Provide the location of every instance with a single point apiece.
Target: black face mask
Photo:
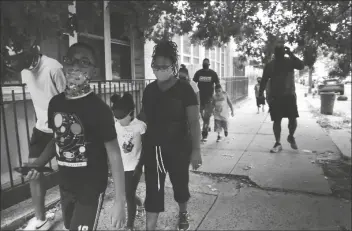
(279, 52)
(205, 66)
(20, 62)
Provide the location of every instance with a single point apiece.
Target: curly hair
(168, 49)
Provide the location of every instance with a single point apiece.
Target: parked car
(331, 85)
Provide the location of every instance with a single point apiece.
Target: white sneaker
(35, 224)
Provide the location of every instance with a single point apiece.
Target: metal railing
(18, 118)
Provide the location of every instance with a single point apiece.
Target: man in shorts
(44, 79)
(283, 100)
(206, 79)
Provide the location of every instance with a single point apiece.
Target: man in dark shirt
(283, 102)
(85, 138)
(206, 79)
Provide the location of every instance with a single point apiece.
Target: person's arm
(58, 79)
(265, 78)
(196, 77)
(118, 174)
(296, 62)
(229, 103)
(198, 98)
(216, 78)
(142, 130)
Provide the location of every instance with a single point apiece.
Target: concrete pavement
(241, 186)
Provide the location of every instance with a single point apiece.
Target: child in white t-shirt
(129, 135)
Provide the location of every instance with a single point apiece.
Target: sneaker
(226, 133)
(218, 139)
(292, 141)
(183, 223)
(277, 148)
(204, 140)
(35, 224)
(140, 210)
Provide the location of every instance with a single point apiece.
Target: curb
(17, 222)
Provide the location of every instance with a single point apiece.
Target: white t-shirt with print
(43, 82)
(130, 142)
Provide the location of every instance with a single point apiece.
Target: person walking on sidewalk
(260, 101)
(130, 133)
(283, 102)
(44, 79)
(183, 74)
(221, 104)
(172, 139)
(206, 79)
(85, 140)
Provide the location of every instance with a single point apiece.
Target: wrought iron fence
(18, 118)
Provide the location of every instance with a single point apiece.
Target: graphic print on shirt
(206, 79)
(70, 140)
(127, 145)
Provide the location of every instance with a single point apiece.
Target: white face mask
(163, 75)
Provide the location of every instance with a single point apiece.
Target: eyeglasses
(161, 67)
(84, 62)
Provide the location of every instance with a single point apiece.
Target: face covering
(163, 75)
(279, 52)
(77, 84)
(205, 66)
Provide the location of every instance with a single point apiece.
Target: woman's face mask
(163, 75)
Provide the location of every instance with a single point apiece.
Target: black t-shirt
(81, 127)
(166, 112)
(206, 80)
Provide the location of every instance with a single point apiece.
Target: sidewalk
(242, 186)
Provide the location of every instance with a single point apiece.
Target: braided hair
(168, 49)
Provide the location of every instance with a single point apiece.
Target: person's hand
(196, 159)
(117, 214)
(287, 51)
(32, 174)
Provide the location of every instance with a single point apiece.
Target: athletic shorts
(260, 101)
(160, 160)
(81, 213)
(283, 107)
(220, 124)
(41, 142)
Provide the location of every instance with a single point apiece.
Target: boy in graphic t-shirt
(221, 105)
(129, 135)
(85, 138)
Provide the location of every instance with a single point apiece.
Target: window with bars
(186, 45)
(217, 54)
(207, 53)
(186, 59)
(213, 54)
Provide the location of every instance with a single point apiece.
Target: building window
(218, 68)
(186, 59)
(222, 70)
(88, 20)
(186, 45)
(222, 56)
(213, 65)
(218, 54)
(213, 54)
(119, 28)
(207, 53)
(196, 50)
(195, 60)
(98, 45)
(120, 62)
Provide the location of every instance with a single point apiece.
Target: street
(241, 186)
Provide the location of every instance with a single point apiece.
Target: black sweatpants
(159, 160)
(81, 212)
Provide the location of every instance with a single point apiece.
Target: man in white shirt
(44, 79)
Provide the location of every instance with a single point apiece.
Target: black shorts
(172, 160)
(206, 110)
(41, 142)
(79, 213)
(260, 101)
(283, 107)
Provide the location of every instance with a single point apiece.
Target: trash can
(327, 100)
